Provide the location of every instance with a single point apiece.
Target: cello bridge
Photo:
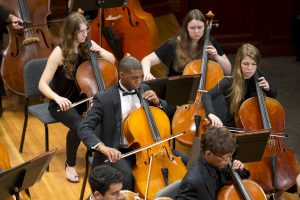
(31, 40)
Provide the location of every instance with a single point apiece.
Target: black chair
(32, 72)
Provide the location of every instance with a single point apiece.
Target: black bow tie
(124, 93)
(129, 93)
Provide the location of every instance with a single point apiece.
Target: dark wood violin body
(278, 169)
(140, 131)
(34, 41)
(127, 29)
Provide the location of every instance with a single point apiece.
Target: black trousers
(71, 119)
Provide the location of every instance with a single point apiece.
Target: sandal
(71, 176)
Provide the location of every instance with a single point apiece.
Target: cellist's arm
(268, 88)
(208, 97)
(112, 154)
(225, 64)
(15, 21)
(147, 63)
(221, 59)
(151, 96)
(102, 53)
(54, 60)
(215, 120)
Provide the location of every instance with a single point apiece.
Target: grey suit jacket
(103, 122)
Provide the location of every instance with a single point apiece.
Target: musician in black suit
(209, 172)
(16, 24)
(101, 129)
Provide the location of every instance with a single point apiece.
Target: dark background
(266, 23)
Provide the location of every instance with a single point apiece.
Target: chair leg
(46, 138)
(46, 142)
(24, 125)
(87, 166)
(27, 192)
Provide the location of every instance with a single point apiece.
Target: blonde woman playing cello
(238, 87)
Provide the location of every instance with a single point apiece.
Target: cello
(241, 190)
(211, 73)
(34, 41)
(278, 169)
(95, 74)
(127, 29)
(5, 164)
(156, 165)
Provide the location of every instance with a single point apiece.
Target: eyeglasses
(85, 31)
(224, 158)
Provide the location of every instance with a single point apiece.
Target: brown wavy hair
(184, 53)
(238, 84)
(220, 141)
(69, 32)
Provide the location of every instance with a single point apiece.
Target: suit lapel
(210, 185)
(209, 179)
(117, 108)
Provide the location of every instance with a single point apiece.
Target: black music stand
(251, 145)
(176, 90)
(158, 86)
(23, 176)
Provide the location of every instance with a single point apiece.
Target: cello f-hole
(130, 18)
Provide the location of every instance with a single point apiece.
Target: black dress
(71, 118)
(167, 54)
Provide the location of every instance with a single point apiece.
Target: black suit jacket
(103, 122)
(202, 181)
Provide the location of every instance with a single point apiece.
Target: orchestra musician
(238, 87)
(16, 24)
(208, 173)
(109, 110)
(106, 183)
(60, 71)
(187, 46)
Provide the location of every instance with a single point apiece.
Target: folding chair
(32, 72)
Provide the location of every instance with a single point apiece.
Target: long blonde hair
(184, 52)
(69, 33)
(238, 84)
